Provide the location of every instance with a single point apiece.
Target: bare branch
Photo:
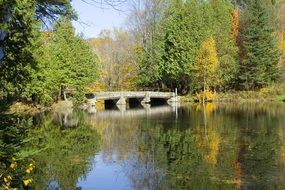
(106, 4)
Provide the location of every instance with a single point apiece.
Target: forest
(203, 48)
(196, 46)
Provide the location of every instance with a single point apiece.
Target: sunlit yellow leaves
(7, 182)
(30, 168)
(8, 178)
(208, 94)
(13, 165)
(207, 58)
(5, 187)
(207, 63)
(26, 182)
(282, 46)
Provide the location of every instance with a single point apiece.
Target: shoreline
(234, 97)
(238, 97)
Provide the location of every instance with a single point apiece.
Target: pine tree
(260, 64)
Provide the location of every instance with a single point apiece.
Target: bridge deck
(131, 94)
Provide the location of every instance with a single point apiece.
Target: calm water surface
(224, 146)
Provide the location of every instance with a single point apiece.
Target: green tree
(172, 55)
(173, 44)
(222, 21)
(259, 66)
(185, 25)
(19, 32)
(65, 60)
(19, 38)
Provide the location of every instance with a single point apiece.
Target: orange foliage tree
(235, 24)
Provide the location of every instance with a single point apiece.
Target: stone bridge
(122, 98)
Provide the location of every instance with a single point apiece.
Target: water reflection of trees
(16, 164)
(189, 156)
(68, 152)
(118, 138)
(259, 145)
(213, 147)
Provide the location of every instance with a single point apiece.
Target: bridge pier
(91, 102)
(121, 101)
(122, 108)
(91, 109)
(173, 99)
(146, 99)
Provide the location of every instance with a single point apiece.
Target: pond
(216, 146)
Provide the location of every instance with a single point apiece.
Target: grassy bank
(25, 109)
(273, 93)
(31, 109)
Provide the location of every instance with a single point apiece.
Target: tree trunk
(204, 93)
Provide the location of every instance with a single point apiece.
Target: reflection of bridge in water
(68, 118)
(125, 97)
(122, 112)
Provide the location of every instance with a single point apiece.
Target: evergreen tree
(184, 27)
(19, 38)
(183, 31)
(65, 60)
(174, 48)
(260, 64)
(20, 34)
(222, 23)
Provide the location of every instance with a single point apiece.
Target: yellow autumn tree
(282, 46)
(207, 63)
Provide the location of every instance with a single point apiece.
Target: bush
(209, 96)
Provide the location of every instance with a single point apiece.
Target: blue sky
(92, 19)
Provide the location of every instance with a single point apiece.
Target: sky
(93, 19)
